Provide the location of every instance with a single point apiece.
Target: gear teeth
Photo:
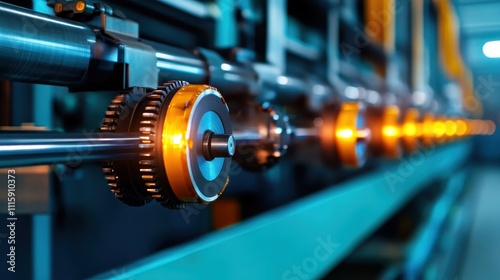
(153, 191)
(110, 177)
(156, 96)
(150, 170)
(147, 130)
(148, 177)
(151, 109)
(112, 114)
(109, 120)
(119, 99)
(114, 107)
(150, 115)
(148, 161)
(110, 124)
(107, 169)
(147, 146)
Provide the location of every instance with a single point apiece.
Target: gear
(171, 165)
(150, 167)
(274, 134)
(119, 112)
(139, 111)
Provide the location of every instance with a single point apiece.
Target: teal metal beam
(427, 238)
(306, 238)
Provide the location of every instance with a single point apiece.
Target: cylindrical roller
(36, 148)
(222, 145)
(352, 134)
(247, 136)
(43, 49)
(391, 132)
(305, 134)
(450, 129)
(344, 135)
(491, 127)
(411, 130)
(179, 64)
(218, 145)
(461, 128)
(386, 133)
(192, 111)
(228, 77)
(328, 137)
(38, 48)
(439, 130)
(262, 138)
(427, 136)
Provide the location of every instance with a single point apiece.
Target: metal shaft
(248, 137)
(305, 134)
(218, 145)
(254, 137)
(36, 148)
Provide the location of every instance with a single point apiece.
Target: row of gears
(187, 145)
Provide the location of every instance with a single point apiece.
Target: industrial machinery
(257, 118)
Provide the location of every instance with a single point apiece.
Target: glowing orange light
(427, 129)
(177, 139)
(427, 125)
(451, 128)
(80, 6)
(410, 129)
(468, 123)
(345, 133)
(438, 128)
(390, 131)
(473, 127)
(177, 147)
(461, 127)
(363, 133)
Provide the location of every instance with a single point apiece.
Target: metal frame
(306, 238)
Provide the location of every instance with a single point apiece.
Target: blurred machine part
(337, 131)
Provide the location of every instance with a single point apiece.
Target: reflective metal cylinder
(43, 49)
(38, 48)
(179, 64)
(36, 148)
(222, 145)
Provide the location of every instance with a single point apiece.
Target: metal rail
(306, 238)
